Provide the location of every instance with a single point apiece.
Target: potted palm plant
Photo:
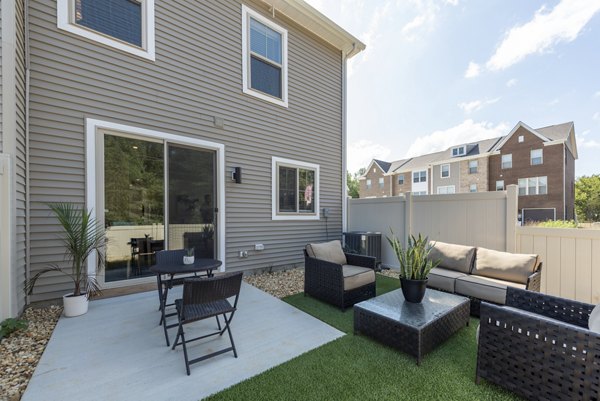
(415, 265)
(83, 236)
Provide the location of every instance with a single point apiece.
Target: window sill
(295, 217)
(266, 98)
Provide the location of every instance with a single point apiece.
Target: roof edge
(316, 22)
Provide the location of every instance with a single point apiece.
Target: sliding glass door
(155, 195)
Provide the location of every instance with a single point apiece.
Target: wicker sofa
(339, 278)
(539, 347)
(482, 274)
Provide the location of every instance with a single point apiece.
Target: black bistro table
(176, 267)
(412, 328)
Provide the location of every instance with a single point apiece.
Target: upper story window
(401, 179)
(445, 171)
(537, 157)
(521, 139)
(459, 151)
(473, 188)
(420, 176)
(381, 182)
(500, 185)
(533, 186)
(368, 183)
(507, 161)
(295, 190)
(264, 55)
(473, 164)
(126, 25)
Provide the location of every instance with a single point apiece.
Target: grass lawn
(356, 368)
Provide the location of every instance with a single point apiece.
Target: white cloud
(511, 82)
(597, 94)
(451, 2)
(596, 116)
(547, 28)
(360, 154)
(473, 70)
(465, 132)
(584, 143)
(553, 102)
(475, 105)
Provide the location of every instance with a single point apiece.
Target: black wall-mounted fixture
(236, 175)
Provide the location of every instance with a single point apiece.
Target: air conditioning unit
(364, 243)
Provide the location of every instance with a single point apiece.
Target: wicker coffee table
(412, 328)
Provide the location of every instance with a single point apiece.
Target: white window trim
(471, 188)
(401, 176)
(446, 187)
(541, 157)
(442, 170)
(369, 183)
(248, 13)
(502, 161)
(537, 185)
(65, 22)
(476, 166)
(279, 161)
(95, 127)
(503, 186)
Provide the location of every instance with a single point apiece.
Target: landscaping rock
(279, 284)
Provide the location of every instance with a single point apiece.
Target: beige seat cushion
(594, 320)
(443, 279)
(453, 257)
(484, 288)
(327, 251)
(356, 276)
(515, 267)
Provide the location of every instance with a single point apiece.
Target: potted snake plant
(82, 237)
(415, 265)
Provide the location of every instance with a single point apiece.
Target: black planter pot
(413, 290)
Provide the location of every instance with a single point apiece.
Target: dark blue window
(266, 59)
(121, 19)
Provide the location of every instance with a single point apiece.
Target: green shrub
(11, 325)
(557, 224)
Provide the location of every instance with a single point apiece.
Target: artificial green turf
(354, 367)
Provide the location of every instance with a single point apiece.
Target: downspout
(27, 173)
(344, 138)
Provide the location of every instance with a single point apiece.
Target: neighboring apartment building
(142, 111)
(540, 161)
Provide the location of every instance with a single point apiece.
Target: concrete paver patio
(117, 350)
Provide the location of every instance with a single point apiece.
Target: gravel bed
(21, 351)
(279, 284)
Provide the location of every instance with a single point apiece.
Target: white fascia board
(512, 132)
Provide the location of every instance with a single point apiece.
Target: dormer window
(459, 151)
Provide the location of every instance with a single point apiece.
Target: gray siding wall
(197, 75)
(454, 178)
(20, 157)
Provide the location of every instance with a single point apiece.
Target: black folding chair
(204, 298)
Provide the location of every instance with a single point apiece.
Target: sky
(437, 73)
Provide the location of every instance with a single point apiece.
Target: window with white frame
(533, 186)
(295, 190)
(420, 176)
(473, 188)
(264, 55)
(127, 25)
(401, 179)
(459, 151)
(419, 193)
(446, 189)
(507, 161)
(368, 183)
(445, 171)
(537, 157)
(473, 165)
(521, 139)
(500, 185)
(381, 183)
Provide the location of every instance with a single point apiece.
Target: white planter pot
(75, 306)
(188, 260)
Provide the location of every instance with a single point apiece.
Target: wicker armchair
(325, 280)
(539, 347)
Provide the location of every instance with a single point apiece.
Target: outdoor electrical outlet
(259, 247)
(243, 254)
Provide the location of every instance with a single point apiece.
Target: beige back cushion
(452, 257)
(594, 321)
(328, 251)
(515, 267)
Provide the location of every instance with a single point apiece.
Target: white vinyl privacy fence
(570, 257)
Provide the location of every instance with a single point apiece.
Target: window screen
(266, 58)
(287, 189)
(121, 19)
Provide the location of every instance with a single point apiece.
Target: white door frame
(93, 127)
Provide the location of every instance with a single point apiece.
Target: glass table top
(393, 306)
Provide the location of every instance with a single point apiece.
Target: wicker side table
(415, 329)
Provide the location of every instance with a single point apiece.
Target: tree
(587, 198)
(353, 185)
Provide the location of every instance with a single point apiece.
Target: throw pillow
(594, 320)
